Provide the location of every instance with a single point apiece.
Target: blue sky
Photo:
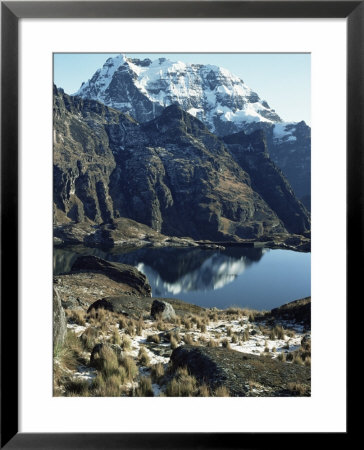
(282, 79)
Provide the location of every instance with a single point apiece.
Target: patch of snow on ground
(85, 373)
(77, 329)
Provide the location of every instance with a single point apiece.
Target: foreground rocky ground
(113, 339)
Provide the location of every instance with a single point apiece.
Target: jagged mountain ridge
(144, 87)
(171, 174)
(222, 101)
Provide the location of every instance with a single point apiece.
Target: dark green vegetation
(170, 174)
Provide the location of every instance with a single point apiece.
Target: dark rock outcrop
(298, 311)
(121, 273)
(234, 370)
(59, 320)
(162, 310)
(110, 304)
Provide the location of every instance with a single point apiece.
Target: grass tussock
(144, 388)
(187, 323)
(69, 355)
(130, 367)
(157, 372)
(109, 386)
(143, 357)
(204, 391)
(123, 323)
(155, 338)
(106, 361)
(188, 339)
(76, 316)
(140, 327)
(234, 311)
(182, 385)
(297, 389)
(161, 326)
(221, 391)
(213, 343)
(277, 332)
(131, 328)
(174, 342)
(115, 336)
(213, 316)
(245, 335)
(234, 338)
(203, 340)
(89, 338)
(125, 342)
(76, 387)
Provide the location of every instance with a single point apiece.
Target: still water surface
(259, 278)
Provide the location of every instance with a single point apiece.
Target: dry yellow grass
(143, 357)
(188, 339)
(221, 391)
(144, 388)
(182, 385)
(157, 371)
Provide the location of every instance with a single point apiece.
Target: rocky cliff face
(251, 153)
(222, 101)
(170, 173)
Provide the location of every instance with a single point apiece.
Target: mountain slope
(268, 180)
(171, 174)
(222, 101)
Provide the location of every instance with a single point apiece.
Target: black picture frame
(11, 12)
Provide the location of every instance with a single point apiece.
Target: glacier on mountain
(208, 92)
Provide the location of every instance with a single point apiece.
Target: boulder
(163, 310)
(113, 304)
(59, 320)
(234, 370)
(121, 273)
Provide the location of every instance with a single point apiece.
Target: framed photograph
(166, 169)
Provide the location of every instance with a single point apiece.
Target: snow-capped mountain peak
(211, 93)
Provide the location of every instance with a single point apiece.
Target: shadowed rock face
(251, 153)
(170, 174)
(234, 370)
(298, 311)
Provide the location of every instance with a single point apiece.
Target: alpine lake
(258, 278)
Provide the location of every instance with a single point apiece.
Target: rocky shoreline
(126, 233)
(111, 338)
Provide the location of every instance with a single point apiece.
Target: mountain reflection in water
(198, 271)
(254, 277)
